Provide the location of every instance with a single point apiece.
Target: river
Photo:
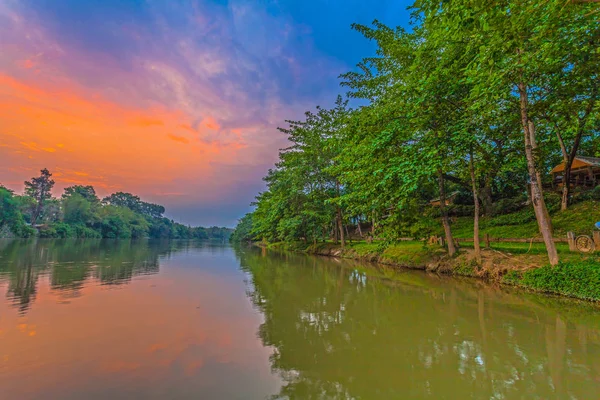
(186, 320)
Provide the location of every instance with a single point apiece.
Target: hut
(449, 199)
(585, 172)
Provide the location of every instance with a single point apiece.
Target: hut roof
(579, 162)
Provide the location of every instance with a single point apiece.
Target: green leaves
(433, 95)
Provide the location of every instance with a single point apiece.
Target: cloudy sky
(176, 101)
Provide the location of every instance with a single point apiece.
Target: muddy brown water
(186, 320)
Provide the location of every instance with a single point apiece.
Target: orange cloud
(210, 123)
(146, 122)
(187, 128)
(67, 130)
(176, 138)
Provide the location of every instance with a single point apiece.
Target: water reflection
(121, 319)
(103, 321)
(345, 332)
(70, 263)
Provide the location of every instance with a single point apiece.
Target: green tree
(78, 210)
(243, 230)
(10, 216)
(121, 199)
(39, 189)
(87, 192)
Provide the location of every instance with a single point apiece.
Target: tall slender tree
(39, 188)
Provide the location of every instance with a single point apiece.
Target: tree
(39, 189)
(242, 232)
(9, 213)
(303, 201)
(87, 192)
(78, 210)
(511, 43)
(122, 199)
(134, 203)
(569, 101)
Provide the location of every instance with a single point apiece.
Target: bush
(464, 198)
(552, 201)
(84, 232)
(593, 195)
(518, 218)
(24, 231)
(63, 230)
(575, 279)
(47, 232)
(507, 206)
(460, 210)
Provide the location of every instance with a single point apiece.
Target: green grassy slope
(579, 218)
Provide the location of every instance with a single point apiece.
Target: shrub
(47, 232)
(576, 279)
(63, 230)
(517, 218)
(553, 201)
(84, 232)
(593, 195)
(461, 210)
(506, 206)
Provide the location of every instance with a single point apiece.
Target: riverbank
(521, 265)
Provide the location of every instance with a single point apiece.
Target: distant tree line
(479, 97)
(80, 213)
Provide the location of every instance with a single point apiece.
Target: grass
(524, 248)
(580, 279)
(579, 218)
(411, 253)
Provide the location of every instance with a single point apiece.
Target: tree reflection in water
(70, 263)
(340, 330)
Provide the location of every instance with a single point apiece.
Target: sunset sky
(175, 101)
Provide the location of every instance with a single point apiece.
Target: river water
(184, 320)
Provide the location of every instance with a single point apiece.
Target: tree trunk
(444, 211)
(373, 226)
(359, 229)
(36, 213)
(335, 230)
(339, 216)
(476, 244)
(570, 158)
(566, 190)
(534, 151)
(485, 196)
(340, 226)
(537, 198)
(564, 202)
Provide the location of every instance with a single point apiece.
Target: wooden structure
(449, 200)
(585, 172)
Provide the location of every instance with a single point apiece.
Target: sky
(175, 101)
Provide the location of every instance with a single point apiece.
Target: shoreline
(578, 279)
